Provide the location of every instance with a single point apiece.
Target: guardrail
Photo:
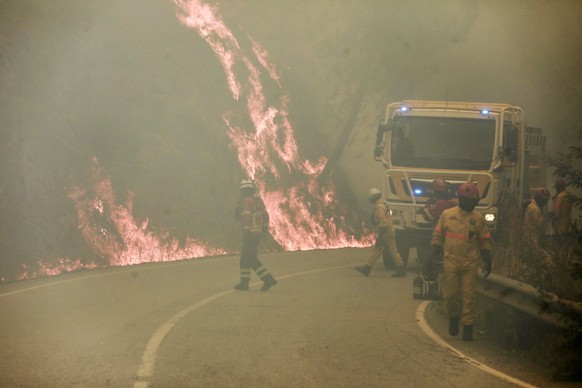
(525, 298)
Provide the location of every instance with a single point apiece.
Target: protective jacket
(462, 235)
(562, 207)
(534, 220)
(432, 211)
(253, 215)
(382, 218)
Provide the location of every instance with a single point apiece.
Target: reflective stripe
(456, 236)
(261, 271)
(459, 236)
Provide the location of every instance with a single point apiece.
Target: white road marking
(147, 364)
(435, 337)
(131, 268)
(148, 360)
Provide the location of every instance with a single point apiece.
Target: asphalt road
(182, 324)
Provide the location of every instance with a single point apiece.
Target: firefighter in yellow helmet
(462, 239)
(254, 221)
(534, 220)
(385, 239)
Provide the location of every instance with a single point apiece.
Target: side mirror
(383, 126)
(510, 155)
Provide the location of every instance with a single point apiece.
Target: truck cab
(420, 141)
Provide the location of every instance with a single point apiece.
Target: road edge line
(425, 327)
(148, 359)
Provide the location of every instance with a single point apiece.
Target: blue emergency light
(404, 109)
(484, 111)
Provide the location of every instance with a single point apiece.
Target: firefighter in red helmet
(254, 221)
(462, 239)
(439, 202)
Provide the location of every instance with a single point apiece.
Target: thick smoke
(127, 83)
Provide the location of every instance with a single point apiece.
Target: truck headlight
(489, 217)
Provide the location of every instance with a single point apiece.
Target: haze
(125, 82)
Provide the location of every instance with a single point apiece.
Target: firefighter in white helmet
(382, 220)
(254, 221)
(462, 237)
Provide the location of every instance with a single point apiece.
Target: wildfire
(305, 213)
(111, 230)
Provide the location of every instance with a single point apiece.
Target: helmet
(560, 183)
(374, 193)
(542, 193)
(247, 184)
(468, 190)
(440, 185)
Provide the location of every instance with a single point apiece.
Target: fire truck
(487, 144)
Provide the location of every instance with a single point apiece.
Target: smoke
(129, 84)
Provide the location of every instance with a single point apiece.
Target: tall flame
(111, 230)
(304, 214)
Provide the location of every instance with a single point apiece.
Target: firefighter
(534, 220)
(462, 237)
(382, 220)
(254, 221)
(561, 210)
(439, 202)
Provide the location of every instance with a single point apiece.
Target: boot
(243, 285)
(454, 326)
(468, 333)
(400, 273)
(268, 282)
(364, 269)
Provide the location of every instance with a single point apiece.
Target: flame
(111, 230)
(51, 269)
(304, 215)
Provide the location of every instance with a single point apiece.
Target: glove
(487, 262)
(435, 257)
(436, 253)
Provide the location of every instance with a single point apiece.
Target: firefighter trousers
(249, 257)
(459, 292)
(385, 242)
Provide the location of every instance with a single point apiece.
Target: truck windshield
(442, 142)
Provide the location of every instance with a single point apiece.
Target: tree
(568, 167)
